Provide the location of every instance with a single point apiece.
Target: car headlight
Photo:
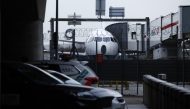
(83, 95)
(120, 99)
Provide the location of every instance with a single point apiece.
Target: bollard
(102, 83)
(110, 85)
(126, 85)
(116, 85)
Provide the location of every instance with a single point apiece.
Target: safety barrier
(116, 83)
(160, 94)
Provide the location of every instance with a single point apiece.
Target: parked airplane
(106, 45)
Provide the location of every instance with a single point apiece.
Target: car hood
(108, 91)
(96, 91)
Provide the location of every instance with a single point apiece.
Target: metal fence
(133, 70)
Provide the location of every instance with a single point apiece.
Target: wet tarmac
(134, 98)
(132, 94)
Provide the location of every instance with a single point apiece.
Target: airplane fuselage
(106, 45)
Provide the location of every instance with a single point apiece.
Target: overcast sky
(86, 8)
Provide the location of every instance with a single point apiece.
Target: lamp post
(56, 49)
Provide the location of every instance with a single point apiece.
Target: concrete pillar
(22, 38)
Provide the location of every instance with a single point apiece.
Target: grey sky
(86, 8)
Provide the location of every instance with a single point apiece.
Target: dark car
(25, 86)
(118, 101)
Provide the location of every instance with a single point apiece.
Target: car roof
(71, 62)
(31, 66)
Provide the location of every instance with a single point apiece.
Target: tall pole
(183, 60)
(56, 49)
(74, 38)
(74, 44)
(137, 65)
(100, 9)
(122, 63)
(177, 55)
(97, 57)
(52, 52)
(148, 37)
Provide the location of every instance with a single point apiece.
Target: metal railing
(159, 94)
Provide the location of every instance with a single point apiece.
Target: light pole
(56, 49)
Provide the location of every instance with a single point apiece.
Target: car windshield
(36, 74)
(66, 79)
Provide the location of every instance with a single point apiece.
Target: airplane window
(99, 39)
(106, 39)
(112, 39)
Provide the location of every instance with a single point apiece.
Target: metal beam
(106, 19)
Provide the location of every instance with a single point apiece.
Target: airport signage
(74, 22)
(100, 7)
(116, 11)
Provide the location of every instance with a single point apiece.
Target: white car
(78, 70)
(117, 103)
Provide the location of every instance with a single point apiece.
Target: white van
(77, 70)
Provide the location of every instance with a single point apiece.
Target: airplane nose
(103, 49)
